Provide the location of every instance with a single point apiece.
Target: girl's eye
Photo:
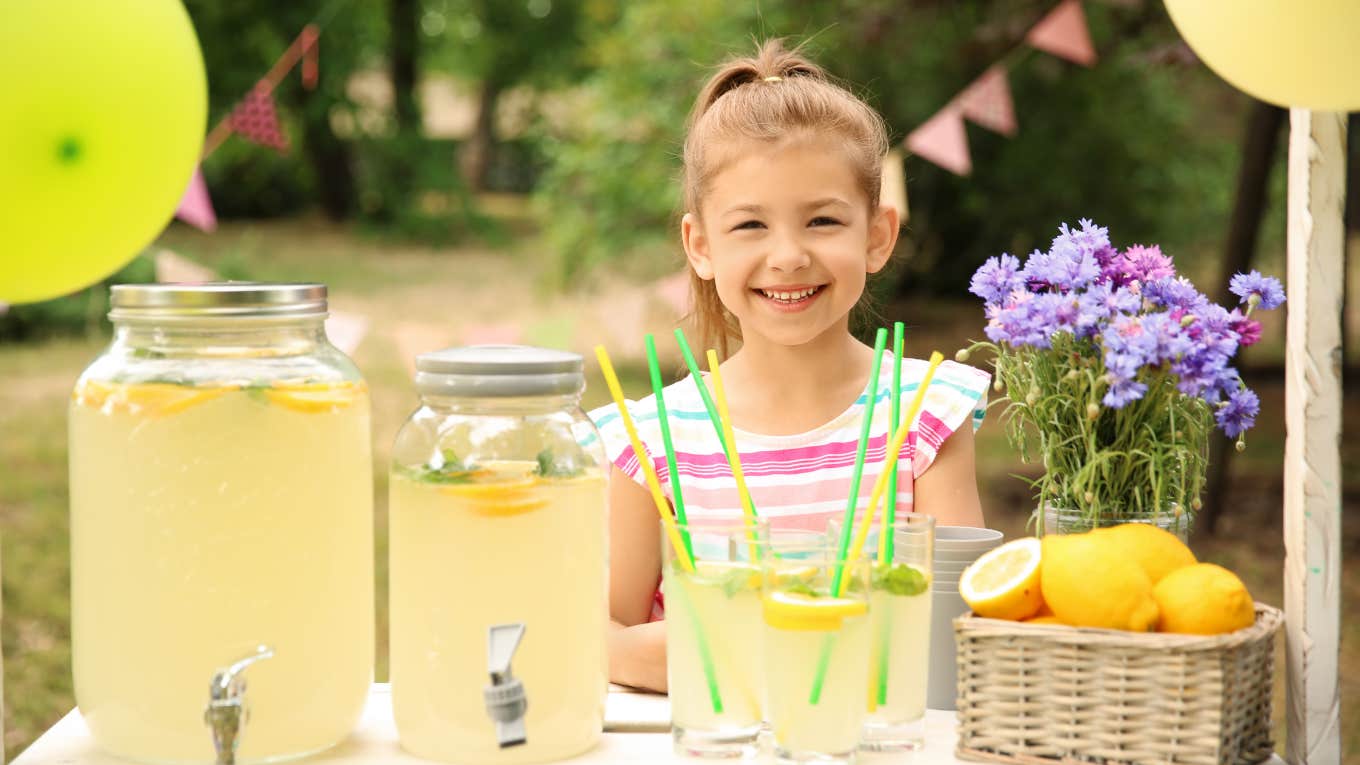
(750, 224)
(824, 221)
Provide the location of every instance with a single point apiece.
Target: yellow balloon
(1303, 53)
(103, 106)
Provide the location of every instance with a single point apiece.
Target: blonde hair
(766, 98)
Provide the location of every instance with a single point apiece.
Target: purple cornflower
(1146, 264)
(1238, 413)
(1253, 288)
(1174, 293)
(1027, 320)
(1122, 370)
(1248, 330)
(997, 279)
(1100, 303)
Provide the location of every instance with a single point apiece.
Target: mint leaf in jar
(899, 579)
(552, 466)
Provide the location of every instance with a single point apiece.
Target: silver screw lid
(499, 371)
(204, 300)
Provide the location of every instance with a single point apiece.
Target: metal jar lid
(497, 371)
(226, 300)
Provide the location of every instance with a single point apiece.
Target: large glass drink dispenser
(221, 527)
(498, 560)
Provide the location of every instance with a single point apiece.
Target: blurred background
(506, 170)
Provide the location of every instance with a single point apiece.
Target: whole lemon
(1158, 551)
(1203, 599)
(1088, 582)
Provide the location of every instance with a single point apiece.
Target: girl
(781, 177)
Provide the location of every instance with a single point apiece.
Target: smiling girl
(783, 226)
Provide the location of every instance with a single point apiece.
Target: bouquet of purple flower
(1121, 368)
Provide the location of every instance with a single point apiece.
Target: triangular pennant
(256, 119)
(942, 140)
(988, 103)
(674, 292)
(309, 55)
(172, 267)
(1063, 33)
(346, 330)
(195, 207)
(892, 187)
(505, 333)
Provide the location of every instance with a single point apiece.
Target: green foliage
(79, 313)
(1136, 462)
(1115, 141)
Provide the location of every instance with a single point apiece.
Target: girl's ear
(696, 246)
(884, 226)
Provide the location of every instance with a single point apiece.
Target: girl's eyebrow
(756, 209)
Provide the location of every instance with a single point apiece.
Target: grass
(441, 292)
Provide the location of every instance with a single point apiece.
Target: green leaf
(899, 579)
(550, 466)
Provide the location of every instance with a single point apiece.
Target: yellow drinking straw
(648, 470)
(890, 464)
(734, 456)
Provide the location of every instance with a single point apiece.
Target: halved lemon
(796, 611)
(314, 398)
(1004, 582)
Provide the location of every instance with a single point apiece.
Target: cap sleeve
(618, 448)
(957, 397)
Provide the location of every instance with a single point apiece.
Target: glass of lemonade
(815, 649)
(498, 561)
(713, 638)
(221, 518)
(899, 601)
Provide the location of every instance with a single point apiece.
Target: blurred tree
(504, 43)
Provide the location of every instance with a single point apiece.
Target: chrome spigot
(505, 699)
(226, 713)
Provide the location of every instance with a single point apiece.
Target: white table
(637, 729)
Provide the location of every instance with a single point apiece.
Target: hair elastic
(774, 78)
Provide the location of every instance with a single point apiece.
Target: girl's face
(785, 233)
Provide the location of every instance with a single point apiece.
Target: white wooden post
(1312, 466)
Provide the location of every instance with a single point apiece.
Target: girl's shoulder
(684, 408)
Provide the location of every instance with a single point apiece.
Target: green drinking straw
(880, 341)
(886, 538)
(703, 389)
(654, 367)
(886, 541)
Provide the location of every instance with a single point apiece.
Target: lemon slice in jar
(145, 399)
(315, 398)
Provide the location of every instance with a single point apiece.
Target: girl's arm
(637, 648)
(948, 488)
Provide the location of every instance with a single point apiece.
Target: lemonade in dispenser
(498, 561)
(221, 528)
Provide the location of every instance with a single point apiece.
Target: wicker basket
(1042, 694)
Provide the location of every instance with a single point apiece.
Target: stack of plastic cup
(955, 548)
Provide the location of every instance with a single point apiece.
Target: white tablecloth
(637, 730)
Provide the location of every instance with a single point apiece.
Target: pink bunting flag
(943, 141)
(195, 208)
(1063, 33)
(256, 119)
(172, 267)
(346, 330)
(674, 292)
(988, 103)
(506, 333)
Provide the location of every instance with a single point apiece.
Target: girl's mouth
(790, 299)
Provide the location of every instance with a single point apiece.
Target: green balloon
(103, 107)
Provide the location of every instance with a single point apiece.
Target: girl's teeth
(789, 296)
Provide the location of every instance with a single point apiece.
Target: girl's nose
(788, 254)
